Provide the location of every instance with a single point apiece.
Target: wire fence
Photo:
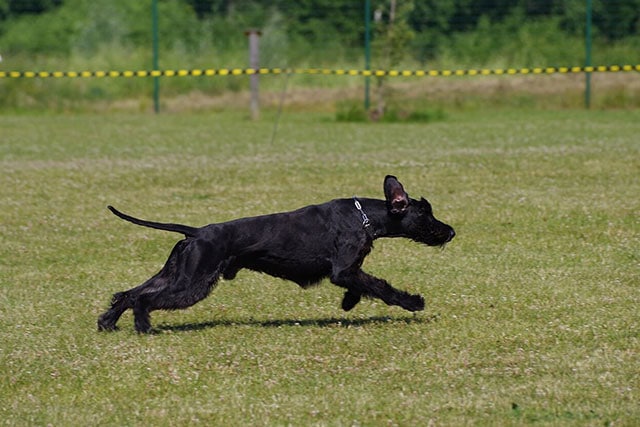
(369, 38)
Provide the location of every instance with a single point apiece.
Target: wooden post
(587, 61)
(156, 80)
(254, 62)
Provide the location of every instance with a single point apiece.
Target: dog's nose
(452, 234)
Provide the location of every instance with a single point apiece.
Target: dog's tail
(176, 228)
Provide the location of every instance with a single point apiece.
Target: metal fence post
(367, 52)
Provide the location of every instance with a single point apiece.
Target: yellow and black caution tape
(320, 71)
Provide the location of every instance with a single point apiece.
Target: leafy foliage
(116, 34)
(187, 22)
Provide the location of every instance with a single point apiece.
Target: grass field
(532, 311)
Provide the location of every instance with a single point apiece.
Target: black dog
(305, 246)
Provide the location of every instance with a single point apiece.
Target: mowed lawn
(532, 310)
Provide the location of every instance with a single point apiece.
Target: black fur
(329, 240)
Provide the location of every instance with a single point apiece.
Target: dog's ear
(397, 199)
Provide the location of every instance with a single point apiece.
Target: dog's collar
(365, 219)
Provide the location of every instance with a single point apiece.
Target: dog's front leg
(351, 298)
(359, 283)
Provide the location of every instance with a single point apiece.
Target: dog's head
(414, 217)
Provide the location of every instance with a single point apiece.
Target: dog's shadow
(331, 322)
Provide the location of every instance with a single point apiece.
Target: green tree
(393, 35)
(32, 6)
(431, 22)
(4, 11)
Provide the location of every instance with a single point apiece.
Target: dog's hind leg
(195, 272)
(107, 321)
(122, 301)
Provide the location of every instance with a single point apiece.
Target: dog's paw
(106, 324)
(350, 300)
(106, 328)
(142, 325)
(414, 303)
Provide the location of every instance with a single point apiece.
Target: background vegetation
(532, 311)
(63, 26)
(89, 35)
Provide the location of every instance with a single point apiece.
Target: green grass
(532, 311)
